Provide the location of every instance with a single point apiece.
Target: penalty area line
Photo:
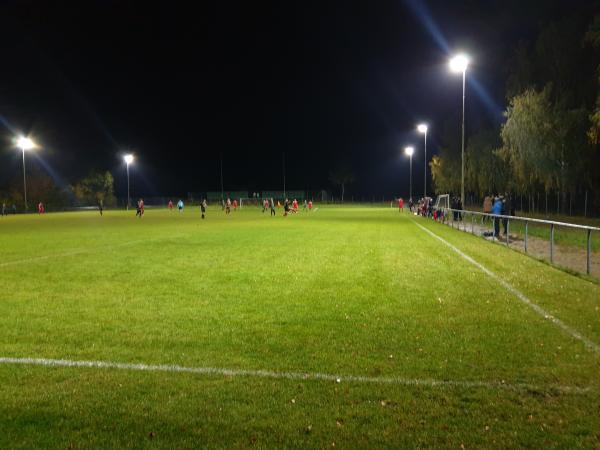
(522, 297)
(300, 376)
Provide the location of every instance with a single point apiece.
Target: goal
(442, 201)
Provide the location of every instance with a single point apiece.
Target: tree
(96, 187)
(446, 165)
(40, 188)
(592, 37)
(486, 171)
(545, 143)
(342, 176)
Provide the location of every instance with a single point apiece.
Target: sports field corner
(346, 327)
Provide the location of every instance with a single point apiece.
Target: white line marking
(496, 385)
(510, 288)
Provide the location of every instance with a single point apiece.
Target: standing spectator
(497, 211)
(508, 210)
(487, 207)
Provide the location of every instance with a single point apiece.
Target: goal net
(442, 201)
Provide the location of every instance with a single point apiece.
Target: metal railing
(449, 214)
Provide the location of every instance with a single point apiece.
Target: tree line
(91, 190)
(550, 139)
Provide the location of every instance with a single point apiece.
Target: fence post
(472, 223)
(552, 243)
(507, 231)
(526, 230)
(589, 251)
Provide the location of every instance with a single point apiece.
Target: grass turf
(348, 291)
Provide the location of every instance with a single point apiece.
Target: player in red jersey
(400, 204)
(170, 205)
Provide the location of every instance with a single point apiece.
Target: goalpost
(442, 201)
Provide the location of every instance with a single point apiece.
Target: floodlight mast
(128, 160)
(459, 64)
(409, 151)
(422, 128)
(25, 143)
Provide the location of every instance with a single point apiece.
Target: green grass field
(429, 350)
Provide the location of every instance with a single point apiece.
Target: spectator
(497, 211)
(487, 207)
(508, 210)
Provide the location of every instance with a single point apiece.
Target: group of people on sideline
(498, 205)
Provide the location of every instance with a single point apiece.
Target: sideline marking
(510, 288)
(427, 382)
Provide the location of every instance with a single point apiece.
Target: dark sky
(324, 82)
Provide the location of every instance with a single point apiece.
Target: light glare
(409, 151)
(459, 63)
(128, 159)
(24, 143)
(422, 128)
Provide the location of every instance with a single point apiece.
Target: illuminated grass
(347, 291)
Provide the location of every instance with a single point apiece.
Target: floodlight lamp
(459, 63)
(409, 151)
(24, 143)
(128, 159)
(422, 128)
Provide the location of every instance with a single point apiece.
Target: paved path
(567, 256)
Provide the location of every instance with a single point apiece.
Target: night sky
(324, 82)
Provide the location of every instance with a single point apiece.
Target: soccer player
(170, 205)
(400, 204)
(286, 207)
(228, 206)
(100, 207)
(235, 204)
(203, 208)
(305, 205)
(3, 209)
(310, 205)
(180, 205)
(40, 208)
(142, 206)
(272, 204)
(295, 206)
(138, 209)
